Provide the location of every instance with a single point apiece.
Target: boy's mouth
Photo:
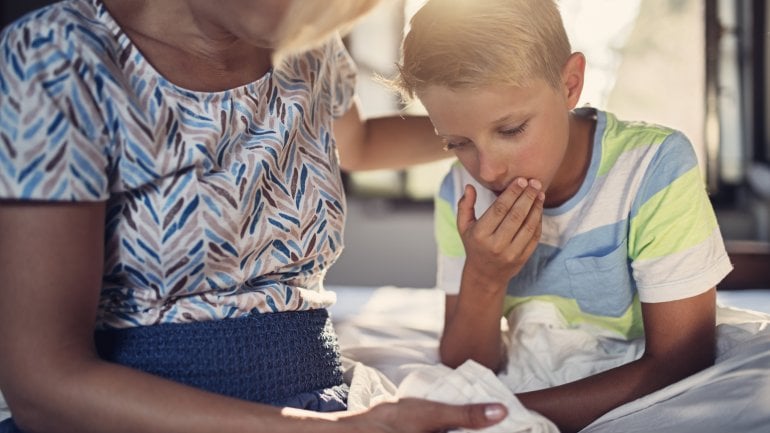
(498, 188)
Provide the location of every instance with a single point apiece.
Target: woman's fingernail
(535, 183)
(494, 412)
(521, 182)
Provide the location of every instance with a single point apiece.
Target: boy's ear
(572, 76)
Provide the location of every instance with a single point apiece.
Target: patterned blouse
(218, 204)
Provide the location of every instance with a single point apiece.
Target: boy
(608, 220)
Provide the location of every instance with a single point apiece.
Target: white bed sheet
(395, 331)
(749, 299)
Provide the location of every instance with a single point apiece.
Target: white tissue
(473, 383)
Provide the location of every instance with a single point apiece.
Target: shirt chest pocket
(602, 285)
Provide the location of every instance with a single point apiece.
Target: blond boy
(606, 219)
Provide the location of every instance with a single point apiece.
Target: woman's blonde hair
(307, 23)
(474, 43)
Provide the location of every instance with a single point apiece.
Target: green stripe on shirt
(676, 218)
(629, 325)
(620, 137)
(445, 227)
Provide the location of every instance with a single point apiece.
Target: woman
(170, 178)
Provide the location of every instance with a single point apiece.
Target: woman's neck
(188, 46)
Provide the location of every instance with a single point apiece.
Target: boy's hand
(498, 244)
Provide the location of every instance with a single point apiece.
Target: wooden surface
(751, 262)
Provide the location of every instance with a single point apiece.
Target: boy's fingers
(500, 208)
(466, 214)
(527, 234)
(521, 210)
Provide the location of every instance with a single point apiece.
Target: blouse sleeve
(51, 136)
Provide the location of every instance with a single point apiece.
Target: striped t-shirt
(640, 229)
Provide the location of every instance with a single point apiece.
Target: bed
(392, 333)
(395, 331)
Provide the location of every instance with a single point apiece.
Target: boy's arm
(474, 332)
(679, 341)
(497, 245)
(675, 250)
(385, 142)
(51, 265)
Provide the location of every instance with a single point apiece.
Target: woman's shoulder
(58, 39)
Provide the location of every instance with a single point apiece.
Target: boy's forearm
(472, 330)
(575, 405)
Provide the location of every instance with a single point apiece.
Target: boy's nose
(491, 168)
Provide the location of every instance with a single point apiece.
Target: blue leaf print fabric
(218, 204)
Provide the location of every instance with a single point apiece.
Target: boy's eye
(514, 131)
(454, 145)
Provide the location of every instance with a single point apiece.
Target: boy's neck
(574, 167)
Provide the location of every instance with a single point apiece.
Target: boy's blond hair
(309, 22)
(475, 43)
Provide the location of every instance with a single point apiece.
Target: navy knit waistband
(265, 358)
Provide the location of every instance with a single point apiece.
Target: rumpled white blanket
(395, 339)
(473, 383)
(544, 351)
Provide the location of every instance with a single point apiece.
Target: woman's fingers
(414, 415)
(443, 417)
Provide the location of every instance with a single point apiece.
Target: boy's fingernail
(494, 412)
(535, 184)
(521, 182)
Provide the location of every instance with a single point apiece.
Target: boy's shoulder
(634, 131)
(636, 139)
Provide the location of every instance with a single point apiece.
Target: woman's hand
(422, 416)
(498, 244)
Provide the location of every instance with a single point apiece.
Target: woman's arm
(385, 142)
(679, 341)
(51, 260)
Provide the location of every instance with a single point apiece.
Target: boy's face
(500, 133)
